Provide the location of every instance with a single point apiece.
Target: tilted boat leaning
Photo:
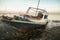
(32, 19)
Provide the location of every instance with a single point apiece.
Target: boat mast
(37, 5)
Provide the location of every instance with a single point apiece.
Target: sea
(53, 20)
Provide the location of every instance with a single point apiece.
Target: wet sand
(52, 31)
(52, 34)
(8, 32)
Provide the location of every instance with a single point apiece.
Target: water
(54, 16)
(53, 23)
(54, 20)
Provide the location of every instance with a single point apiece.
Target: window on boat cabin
(40, 14)
(45, 16)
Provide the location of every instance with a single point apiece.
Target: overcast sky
(22, 5)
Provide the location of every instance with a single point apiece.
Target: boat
(28, 20)
(34, 18)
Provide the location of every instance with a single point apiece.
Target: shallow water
(52, 24)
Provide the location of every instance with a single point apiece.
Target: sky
(52, 6)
